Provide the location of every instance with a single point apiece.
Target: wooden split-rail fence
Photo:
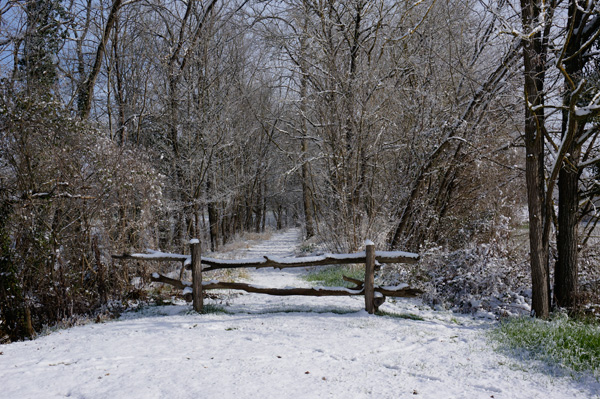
(374, 295)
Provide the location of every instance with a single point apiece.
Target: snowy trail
(277, 347)
(282, 245)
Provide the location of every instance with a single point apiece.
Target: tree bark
(397, 292)
(306, 191)
(213, 217)
(86, 90)
(534, 61)
(566, 268)
(121, 128)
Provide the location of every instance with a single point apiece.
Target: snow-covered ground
(277, 347)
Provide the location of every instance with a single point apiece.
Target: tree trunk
(566, 268)
(121, 130)
(179, 190)
(306, 191)
(539, 248)
(534, 62)
(213, 217)
(86, 90)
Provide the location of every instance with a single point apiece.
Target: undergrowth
(563, 343)
(333, 276)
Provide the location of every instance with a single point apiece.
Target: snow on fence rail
(374, 295)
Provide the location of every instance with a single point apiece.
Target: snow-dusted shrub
(589, 279)
(70, 196)
(479, 277)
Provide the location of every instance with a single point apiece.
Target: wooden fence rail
(374, 295)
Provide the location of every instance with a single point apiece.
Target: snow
(396, 254)
(586, 111)
(394, 287)
(153, 254)
(293, 260)
(278, 347)
(357, 255)
(348, 290)
(369, 242)
(194, 241)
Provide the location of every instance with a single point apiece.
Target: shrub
(68, 196)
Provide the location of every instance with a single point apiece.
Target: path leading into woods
(271, 347)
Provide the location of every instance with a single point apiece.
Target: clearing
(278, 347)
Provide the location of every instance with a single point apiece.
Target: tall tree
(44, 36)
(582, 31)
(85, 90)
(570, 54)
(307, 196)
(536, 20)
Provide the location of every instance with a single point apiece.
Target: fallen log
(321, 260)
(155, 255)
(258, 263)
(359, 284)
(159, 278)
(404, 290)
(275, 261)
(315, 291)
(401, 291)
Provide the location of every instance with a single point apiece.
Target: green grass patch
(332, 276)
(567, 344)
(408, 316)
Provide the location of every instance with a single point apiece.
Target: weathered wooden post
(370, 277)
(196, 275)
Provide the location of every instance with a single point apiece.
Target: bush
(68, 197)
(480, 277)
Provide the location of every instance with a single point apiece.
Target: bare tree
(582, 31)
(544, 37)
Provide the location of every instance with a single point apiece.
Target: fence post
(196, 275)
(370, 277)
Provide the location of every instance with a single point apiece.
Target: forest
(464, 130)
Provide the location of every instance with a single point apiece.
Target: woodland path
(277, 347)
